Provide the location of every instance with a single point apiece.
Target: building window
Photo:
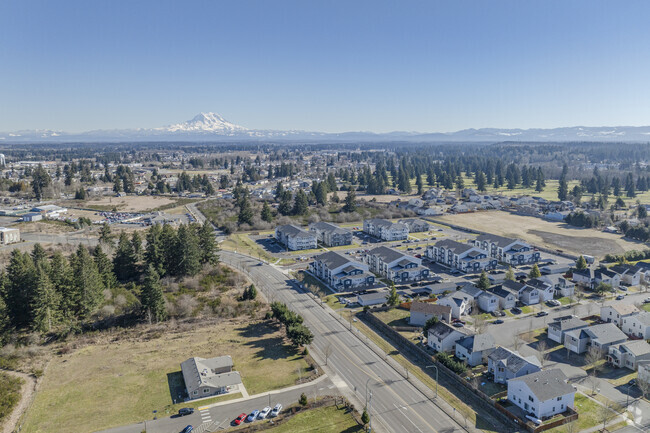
(559, 398)
(206, 390)
(195, 392)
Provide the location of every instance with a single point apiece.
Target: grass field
(321, 420)
(122, 381)
(588, 414)
(544, 233)
(241, 243)
(394, 316)
(10, 394)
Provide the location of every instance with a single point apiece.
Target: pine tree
(170, 253)
(581, 263)
(20, 288)
(563, 188)
(420, 185)
(40, 181)
(105, 235)
(104, 267)
(61, 278)
(189, 256)
(45, 304)
(87, 282)
(5, 321)
(510, 274)
(483, 281)
(300, 203)
(266, 213)
(124, 260)
(152, 297)
(136, 243)
(534, 272)
(208, 244)
(245, 215)
(350, 201)
(392, 298)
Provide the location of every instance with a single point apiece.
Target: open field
(242, 243)
(544, 233)
(10, 395)
(122, 380)
(132, 203)
(321, 420)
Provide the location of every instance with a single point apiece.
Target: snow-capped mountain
(212, 127)
(206, 122)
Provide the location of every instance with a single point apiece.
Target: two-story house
(488, 302)
(545, 290)
(505, 364)
(629, 354)
(460, 304)
(596, 338)
(475, 348)
(617, 312)
(507, 298)
(385, 230)
(443, 337)
(341, 273)
(415, 225)
(630, 274)
(606, 276)
(395, 265)
(331, 235)
(637, 325)
(460, 256)
(583, 277)
(505, 250)
(542, 394)
(561, 325)
(295, 238)
(563, 286)
(421, 312)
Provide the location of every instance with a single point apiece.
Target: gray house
(423, 311)
(560, 326)
(475, 348)
(629, 354)
(598, 338)
(331, 235)
(507, 298)
(443, 337)
(208, 377)
(505, 364)
(415, 225)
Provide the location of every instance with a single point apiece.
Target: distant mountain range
(213, 127)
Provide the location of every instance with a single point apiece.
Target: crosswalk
(205, 416)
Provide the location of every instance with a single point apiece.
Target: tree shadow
(258, 329)
(274, 348)
(177, 390)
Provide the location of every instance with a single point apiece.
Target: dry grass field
(122, 378)
(544, 233)
(129, 203)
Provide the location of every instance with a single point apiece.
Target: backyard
(122, 379)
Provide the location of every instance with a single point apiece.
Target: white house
(561, 325)
(475, 348)
(340, 272)
(505, 364)
(443, 337)
(456, 255)
(584, 277)
(542, 394)
(415, 225)
(395, 265)
(597, 338)
(629, 354)
(529, 295)
(545, 290)
(617, 312)
(637, 325)
(385, 230)
(507, 298)
(208, 377)
(630, 274)
(506, 250)
(9, 235)
(459, 303)
(421, 312)
(488, 302)
(563, 287)
(606, 276)
(295, 238)
(373, 298)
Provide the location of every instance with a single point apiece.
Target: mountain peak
(206, 122)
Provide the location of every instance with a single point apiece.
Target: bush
(449, 362)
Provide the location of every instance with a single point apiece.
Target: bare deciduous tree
(327, 352)
(644, 387)
(542, 353)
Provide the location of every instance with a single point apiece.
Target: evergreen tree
(61, 278)
(266, 212)
(392, 299)
(124, 263)
(153, 254)
(189, 256)
(45, 304)
(510, 274)
(21, 285)
(105, 235)
(40, 181)
(581, 263)
(300, 203)
(207, 244)
(534, 272)
(152, 297)
(5, 321)
(483, 281)
(245, 215)
(563, 188)
(171, 256)
(481, 181)
(87, 282)
(104, 267)
(420, 185)
(350, 201)
(136, 244)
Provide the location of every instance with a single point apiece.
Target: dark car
(620, 297)
(187, 429)
(516, 310)
(498, 322)
(457, 324)
(542, 314)
(186, 411)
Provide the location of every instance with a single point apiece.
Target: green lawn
(564, 300)
(122, 381)
(10, 395)
(588, 414)
(394, 316)
(312, 283)
(321, 420)
(241, 243)
(646, 307)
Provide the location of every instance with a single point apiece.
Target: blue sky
(324, 66)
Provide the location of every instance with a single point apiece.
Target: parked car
(264, 412)
(620, 297)
(253, 416)
(239, 419)
(646, 301)
(186, 411)
(457, 324)
(498, 322)
(515, 310)
(276, 410)
(187, 429)
(554, 303)
(632, 382)
(542, 314)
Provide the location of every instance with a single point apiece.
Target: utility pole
(369, 412)
(436, 367)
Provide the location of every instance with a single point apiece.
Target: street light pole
(436, 367)
(369, 379)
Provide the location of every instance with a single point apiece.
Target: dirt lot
(129, 203)
(544, 233)
(122, 379)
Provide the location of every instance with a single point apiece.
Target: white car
(276, 410)
(264, 412)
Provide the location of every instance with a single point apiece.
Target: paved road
(220, 416)
(396, 405)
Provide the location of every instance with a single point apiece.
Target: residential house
(340, 272)
(643, 369)
(506, 250)
(505, 364)
(507, 298)
(331, 235)
(605, 276)
(208, 377)
(546, 290)
(583, 277)
(415, 225)
(617, 312)
(373, 298)
(563, 286)
(558, 328)
(637, 325)
(629, 354)
(630, 274)
(9, 236)
(385, 230)
(443, 337)
(459, 303)
(529, 295)
(460, 256)
(395, 265)
(542, 394)
(645, 270)
(421, 312)
(475, 348)
(488, 302)
(295, 238)
(596, 338)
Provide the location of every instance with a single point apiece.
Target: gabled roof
(643, 318)
(291, 230)
(379, 222)
(513, 286)
(636, 347)
(199, 372)
(511, 360)
(387, 254)
(456, 247)
(501, 292)
(600, 273)
(586, 272)
(441, 330)
(568, 323)
(332, 259)
(471, 290)
(538, 284)
(477, 343)
(623, 309)
(329, 227)
(430, 308)
(500, 241)
(605, 333)
(547, 384)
